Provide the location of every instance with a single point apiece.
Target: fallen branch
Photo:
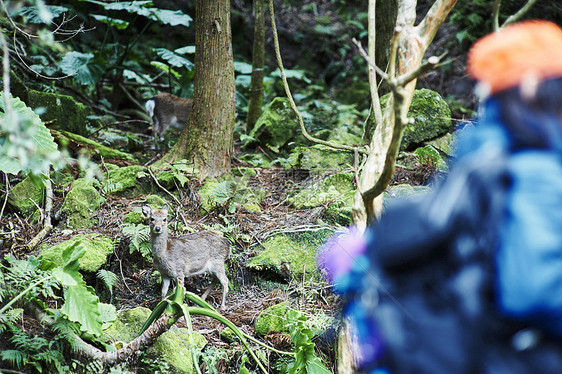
(47, 224)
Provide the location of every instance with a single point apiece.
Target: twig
(169, 193)
(47, 225)
(7, 194)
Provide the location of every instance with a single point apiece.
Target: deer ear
(166, 208)
(146, 210)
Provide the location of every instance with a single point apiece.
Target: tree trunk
(207, 137)
(256, 88)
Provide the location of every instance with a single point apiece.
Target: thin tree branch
(496, 15)
(517, 16)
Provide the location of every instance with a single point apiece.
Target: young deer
(167, 110)
(188, 255)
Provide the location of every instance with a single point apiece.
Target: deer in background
(188, 255)
(167, 110)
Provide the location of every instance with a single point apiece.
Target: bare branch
(369, 60)
(434, 18)
(496, 14)
(517, 16)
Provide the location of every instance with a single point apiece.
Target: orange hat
(529, 48)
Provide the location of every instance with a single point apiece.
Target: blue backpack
(469, 278)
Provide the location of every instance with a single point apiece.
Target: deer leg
(221, 275)
(165, 286)
(208, 290)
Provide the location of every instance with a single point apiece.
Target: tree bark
(207, 138)
(256, 87)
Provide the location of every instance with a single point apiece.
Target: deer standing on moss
(188, 255)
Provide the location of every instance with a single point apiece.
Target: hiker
(468, 278)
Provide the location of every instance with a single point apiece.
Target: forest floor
(250, 293)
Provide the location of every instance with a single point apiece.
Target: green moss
(98, 248)
(277, 125)
(287, 257)
(124, 180)
(228, 335)
(66, 113)
(127, 325)
(256, 159)
(429, 154)
(337, 187)
(230, 192)
(272, 319)
(432, 118)
(155, 201)
(241, 171)
(22, 196)
(134, 217)
(81, 203)
(319, 159)
(96, 149)
(173, 348)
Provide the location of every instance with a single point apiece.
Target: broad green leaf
(242, 67)
(165, 16)
(289, 73)
(81, 305)
(190, 49)
(80, 66)
(80, 300)
(165, 68)
(173, 58)
(40, 14)
(26, 144)
(119, 24)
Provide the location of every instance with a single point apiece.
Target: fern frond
(108, 278)
(14, 357)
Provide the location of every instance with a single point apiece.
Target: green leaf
(26, 144)
(40, 14)
(242, 67)
(119, 24)
(82, 67)
(189, 49)
(297, 74)
(173, 58)
(165, 16)
(80, 301)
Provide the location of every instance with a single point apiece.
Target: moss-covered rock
(67, 113)
(277, 125)
(444, 144)
(402, 191)
(98, 248)
(231, 193)
(91, 147)
(23, 195)
(335, 187)
(320, 159)
(124, 180)
(429, 155)
(272, 319)
(127, 325)
(288, 257)
(173, 347)
(81, 203)
(432, 118)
